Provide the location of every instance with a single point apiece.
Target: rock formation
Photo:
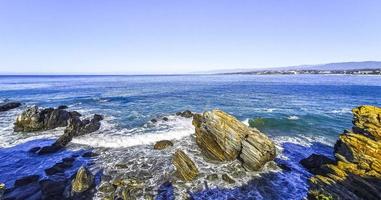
(222, 137)
(8, 106)
(186, 169)
(162, 144)
(186, 114)
(35, 119)
(357, 174)
(83, 181)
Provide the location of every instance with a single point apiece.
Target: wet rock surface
(357, 174)
(83, 181)
(162, 144)
(36, 119)
(315, 162)
(224, 138)
(186, 114)
(9, 106)
(186, 169)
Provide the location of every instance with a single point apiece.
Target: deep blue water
(294, 109)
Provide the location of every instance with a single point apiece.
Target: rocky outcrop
(186, 169)
(8, 106)
(83, 181)
(222, 137)
(35, 119)
(186, 114)
(357, 174)
(76, 127)
(162, 144)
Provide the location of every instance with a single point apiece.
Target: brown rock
(186, 169)
(162, 144)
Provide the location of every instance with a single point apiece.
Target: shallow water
(301, 113)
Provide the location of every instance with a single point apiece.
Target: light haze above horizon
(169, 36)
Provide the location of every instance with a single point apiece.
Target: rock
(89, 154)
(83, 180)
(78, 127)
(212, 177)
(153, 120)
(165, 119)
(2, 190)
(162, 144)
(222, 137)
(54, 187)
(257, 150)
(367, 121)
(314, 163)
(26, 180)
(8, 106)
(227, 178)
(62, 107)
(35, 119)
(186, 114)
(357, 173)
(186, 169)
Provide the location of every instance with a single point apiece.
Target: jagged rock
(89, 154)
(162, 144)
(212, 177)
(186, 114)
(314, 163)
(367, 120)
(222, 137)
(35, 119)
(8, 106)
(186, 169)
(76, 127)
(83, 180)
(357, 174)
(257, 150)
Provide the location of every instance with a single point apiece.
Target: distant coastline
(307, 71)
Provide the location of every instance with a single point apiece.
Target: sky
(174, 36)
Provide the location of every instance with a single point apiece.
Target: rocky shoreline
(233, 149)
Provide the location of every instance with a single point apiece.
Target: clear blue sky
(175, 36)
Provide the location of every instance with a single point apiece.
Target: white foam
(342, 111)
(174, 129)
(246, 122)
(293, 117)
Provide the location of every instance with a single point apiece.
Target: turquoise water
(302, 113)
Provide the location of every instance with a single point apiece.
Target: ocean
(303, 114)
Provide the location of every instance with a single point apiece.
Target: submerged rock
(227, 178)
(83, 180)
(357, 174)
(8, 106)
(222, 137)
(186, 169)
(163, 144)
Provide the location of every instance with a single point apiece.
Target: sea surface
(303, 114)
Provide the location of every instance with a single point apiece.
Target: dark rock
(54, 187)
(186, 114)
(153, 120)
(35, 119)
(74, 114)
(165, 119)
(34, 149)
(8, 106)
(79, 127)
(26, 180)
(314, 162)
(68, 160)
(89, 154)
(62, 107)
(49, 149)
(30, 192)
